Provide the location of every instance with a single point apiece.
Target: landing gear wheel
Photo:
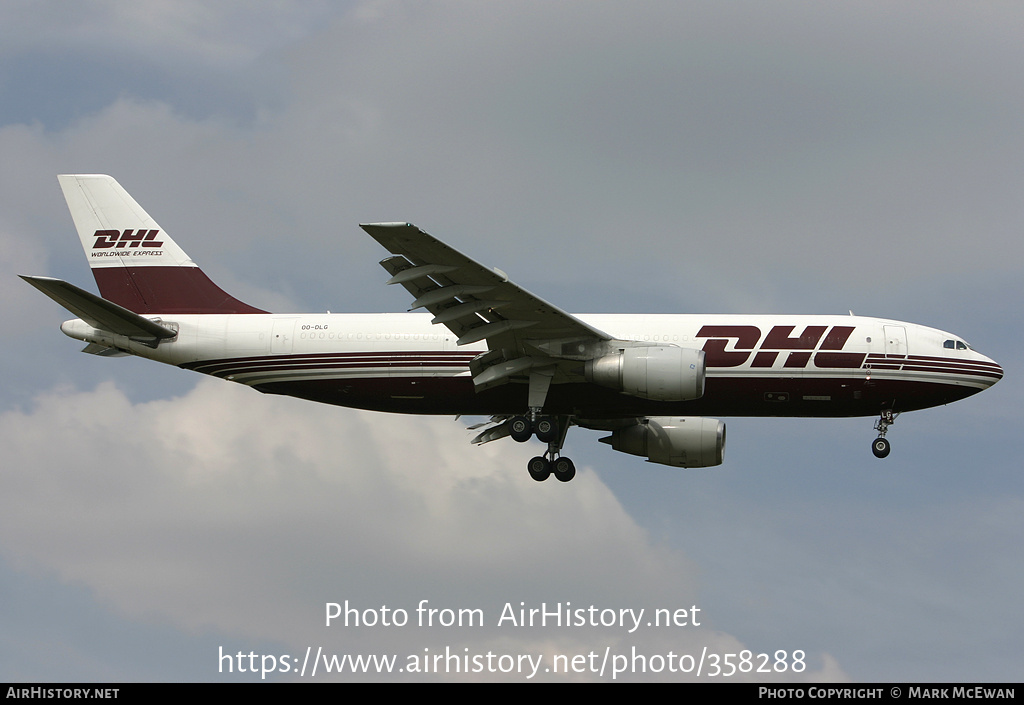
(540, 468)
(564, 469)
(546, 430)
(880, 447)
(520, 429)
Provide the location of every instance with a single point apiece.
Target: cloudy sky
(789, 157)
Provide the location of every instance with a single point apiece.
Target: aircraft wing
(524, 332)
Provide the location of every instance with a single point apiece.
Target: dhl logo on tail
(106, 239)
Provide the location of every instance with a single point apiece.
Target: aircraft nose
(992, 369)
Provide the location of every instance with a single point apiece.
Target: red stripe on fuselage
(240, 365)
(924, 363)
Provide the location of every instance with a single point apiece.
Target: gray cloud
(674, 157)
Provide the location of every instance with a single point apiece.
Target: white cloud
(227, 510)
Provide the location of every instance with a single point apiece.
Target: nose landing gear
(880, 446)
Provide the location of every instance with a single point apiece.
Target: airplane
(487, 347)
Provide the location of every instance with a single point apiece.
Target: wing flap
(500, 429)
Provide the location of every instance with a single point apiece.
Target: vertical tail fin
(136, 264)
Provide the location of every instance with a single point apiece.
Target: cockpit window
(956, 345)
(949, 344)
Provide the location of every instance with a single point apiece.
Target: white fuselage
(757, 364)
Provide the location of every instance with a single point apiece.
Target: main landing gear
(550, 430)
(880, 446)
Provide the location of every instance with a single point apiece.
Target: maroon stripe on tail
(161, 290)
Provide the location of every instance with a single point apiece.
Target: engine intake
(678, 441)
(663, 373)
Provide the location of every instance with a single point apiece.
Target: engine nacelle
(679, 441)
(662, 373)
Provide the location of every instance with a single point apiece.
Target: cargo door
(281, 339)
(896, 340)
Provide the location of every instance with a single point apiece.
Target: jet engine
(679, 441)
(665, 373)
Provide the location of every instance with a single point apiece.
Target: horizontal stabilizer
(100, 313)
(103, 350)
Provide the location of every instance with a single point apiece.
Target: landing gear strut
(552, 431)
(880, 446)
(548, 429)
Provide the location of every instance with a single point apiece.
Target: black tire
(880, 447)
(546, 430)
(564, 469)
(520, 429)
(540, 468)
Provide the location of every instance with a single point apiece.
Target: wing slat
(420, 250)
